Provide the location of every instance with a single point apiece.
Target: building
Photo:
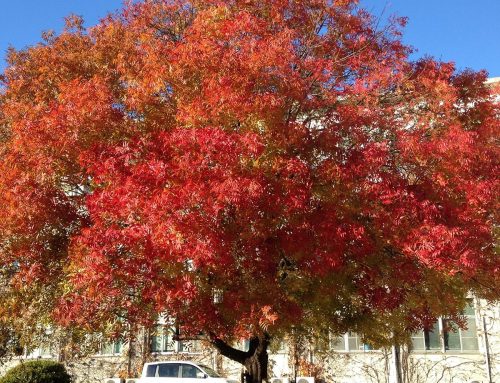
(444, 354)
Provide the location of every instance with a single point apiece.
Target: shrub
(37, 371)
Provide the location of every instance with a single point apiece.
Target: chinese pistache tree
(248, 168)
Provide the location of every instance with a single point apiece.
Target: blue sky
(464, 31)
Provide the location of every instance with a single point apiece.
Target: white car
(179, 372)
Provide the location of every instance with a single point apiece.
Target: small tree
(245, 167)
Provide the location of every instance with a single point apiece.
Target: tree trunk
(255, 359)
(130, 356)
(397, 363)
(256, 364)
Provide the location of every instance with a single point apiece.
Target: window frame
(346, 338)
(168, 331)
(443, 334)
(115, 351)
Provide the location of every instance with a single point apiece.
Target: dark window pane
(451, 335)
(168, 370)
(189, 371)
(469, 309)
(151, 371)
(432, 339)
(118, 347)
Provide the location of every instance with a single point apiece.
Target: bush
(37, 371)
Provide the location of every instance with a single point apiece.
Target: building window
(111, 348)
(190, 346)
(337, 343)
(445, 335)
(458, 339)
(429, 340)
(432, 337)
(349, 342)
(43, 351)
(163, 341)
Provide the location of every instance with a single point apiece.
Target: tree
(248, 168)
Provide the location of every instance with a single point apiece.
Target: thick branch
(258, 345)
(228, 351)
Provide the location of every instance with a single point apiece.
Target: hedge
(37, 371)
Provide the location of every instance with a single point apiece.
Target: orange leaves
(268, 317)
(229, 65)
(284, 153)
(343, 3)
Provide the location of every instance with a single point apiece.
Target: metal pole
(487, 350)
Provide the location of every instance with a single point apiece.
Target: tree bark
(255, 359)
(397, 363)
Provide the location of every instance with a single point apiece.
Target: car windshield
(211, 373)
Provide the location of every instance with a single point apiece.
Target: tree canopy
(247, 167)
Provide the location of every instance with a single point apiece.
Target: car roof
(173, 361)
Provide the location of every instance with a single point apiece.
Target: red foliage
(284, 153)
